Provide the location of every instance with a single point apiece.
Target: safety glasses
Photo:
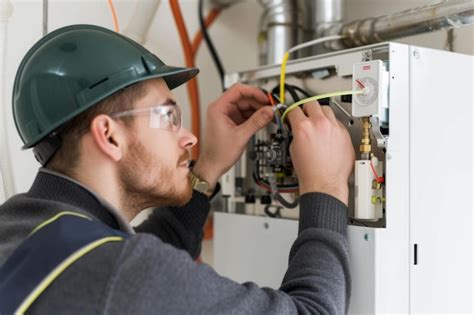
(166, 117)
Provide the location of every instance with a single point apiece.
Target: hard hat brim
(175, 76)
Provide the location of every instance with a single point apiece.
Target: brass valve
(366, 146)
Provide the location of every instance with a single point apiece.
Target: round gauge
(371, 88)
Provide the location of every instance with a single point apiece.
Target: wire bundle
(308, 99)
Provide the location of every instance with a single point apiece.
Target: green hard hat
(71, 69)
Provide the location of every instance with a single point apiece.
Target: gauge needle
(360, 84)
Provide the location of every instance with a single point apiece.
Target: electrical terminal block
(276, 153)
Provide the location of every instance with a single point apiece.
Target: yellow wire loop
(282, 77)
(315, 98)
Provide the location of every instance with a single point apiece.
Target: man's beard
(148, 183)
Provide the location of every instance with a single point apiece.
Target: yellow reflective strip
(59, 269)
(57, 216)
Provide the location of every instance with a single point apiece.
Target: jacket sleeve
(181, 227)
(155, 276)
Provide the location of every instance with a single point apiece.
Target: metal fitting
(366, 146)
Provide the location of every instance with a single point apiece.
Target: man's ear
(108, 136)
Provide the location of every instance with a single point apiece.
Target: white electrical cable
(315, 42)
(6, 175)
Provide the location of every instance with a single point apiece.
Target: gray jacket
(154, 272)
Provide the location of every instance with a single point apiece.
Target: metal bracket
(381, 140)
(367, 55)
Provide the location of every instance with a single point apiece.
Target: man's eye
(175, 120)
(168, 116)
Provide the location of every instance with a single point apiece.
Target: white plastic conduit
(6, 175)
(137, 28)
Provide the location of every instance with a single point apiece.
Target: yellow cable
(315, 98)
(293, 49)
(282, 77)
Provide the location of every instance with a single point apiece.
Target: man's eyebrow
(168, 101)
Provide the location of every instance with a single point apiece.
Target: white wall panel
(440, 186)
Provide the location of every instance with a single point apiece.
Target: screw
(416, 54)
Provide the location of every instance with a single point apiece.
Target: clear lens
(165, 117)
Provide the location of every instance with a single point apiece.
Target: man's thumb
(257, 121)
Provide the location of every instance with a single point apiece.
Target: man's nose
(187, 139)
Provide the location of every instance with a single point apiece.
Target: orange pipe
(114, 16)
(212, 16)
(192, 85)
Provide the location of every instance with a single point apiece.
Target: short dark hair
(65, 160)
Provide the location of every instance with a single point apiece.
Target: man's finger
(329, 113)
(241, 91)
(246, 105)
(241, 110)
(236, 116)
(312, 109)
(295, 116)
(257, 121)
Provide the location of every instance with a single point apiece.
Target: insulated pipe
(439, 16)
(6, 176)
(139, 25)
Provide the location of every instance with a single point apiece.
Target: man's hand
(231, 121)
(321, 151)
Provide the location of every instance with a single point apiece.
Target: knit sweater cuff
(319, 210)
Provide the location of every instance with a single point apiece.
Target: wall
(234, 33)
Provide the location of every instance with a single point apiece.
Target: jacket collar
(55, 186)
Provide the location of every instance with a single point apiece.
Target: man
(98, 111)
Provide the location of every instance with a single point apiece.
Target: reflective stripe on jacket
(49, 250)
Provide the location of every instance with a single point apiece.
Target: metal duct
(322, 14)
(281, 27)
(439, 16)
